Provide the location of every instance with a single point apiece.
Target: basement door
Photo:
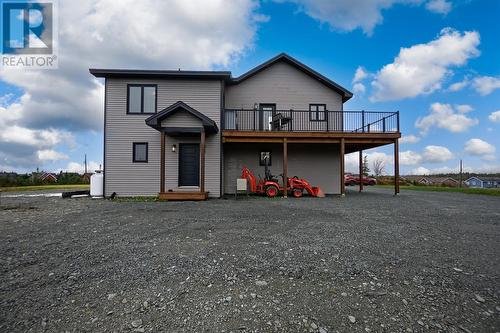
(189, 164)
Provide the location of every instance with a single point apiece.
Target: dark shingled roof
(222, 75)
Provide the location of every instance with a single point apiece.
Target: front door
(189, 164)
(267, 112)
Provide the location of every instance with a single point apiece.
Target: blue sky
(446, 42)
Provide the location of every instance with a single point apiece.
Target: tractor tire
(271, 191)
(297, 193)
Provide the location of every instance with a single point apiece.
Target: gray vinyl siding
(181, 119)
(130, 179)
(288, 88)
(319, 164)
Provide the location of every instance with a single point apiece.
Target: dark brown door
(189, 164)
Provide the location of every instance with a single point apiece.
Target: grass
(45, 187)
(484, 191)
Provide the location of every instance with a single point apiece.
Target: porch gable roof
(155, 121)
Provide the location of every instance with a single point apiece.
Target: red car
(351, 180)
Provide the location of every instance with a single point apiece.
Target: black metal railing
(311, 121)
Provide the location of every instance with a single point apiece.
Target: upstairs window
(317, 112)
(141, 98)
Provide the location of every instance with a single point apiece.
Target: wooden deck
(183, 196)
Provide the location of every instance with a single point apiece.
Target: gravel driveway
(370, 262)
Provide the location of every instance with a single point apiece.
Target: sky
(436, 61)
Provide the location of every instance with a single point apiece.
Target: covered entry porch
(318, 157)
(183, 142)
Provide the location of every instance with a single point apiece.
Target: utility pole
(461, 171)
(85, 162)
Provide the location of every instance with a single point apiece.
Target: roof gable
(155, 120)
(283, 57)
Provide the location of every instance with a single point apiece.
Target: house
(47, 177)
(483, 182)
(432, 181)
(444, 181)
(187, 134)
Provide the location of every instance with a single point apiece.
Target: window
(141, 98)
(317, 112)
(265, 155)
(140, 152)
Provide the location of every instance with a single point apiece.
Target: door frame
(181, 145)
(261, 113)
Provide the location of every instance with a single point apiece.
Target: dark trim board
(104, 138)
(141, 73)
(182, 131)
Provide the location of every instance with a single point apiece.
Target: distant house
(432, 181)
(483, 182)
(47, 177)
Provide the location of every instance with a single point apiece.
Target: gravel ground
(370, 262)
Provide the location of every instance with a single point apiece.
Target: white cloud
(157, 35)
(409, 139)
(51, 155)
(495, 116)
(444, 116)
(80, 168)
(359, 88)
(457, 86)
(409, 157)
(464, 108)
(430, 154)
(343, 15)
(479, 147)
(420, 69)
(420, 171)
(436, 154)
(438, 6)
(360, 74)
(485, 85)
(349, 15)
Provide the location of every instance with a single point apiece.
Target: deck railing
(310, 121)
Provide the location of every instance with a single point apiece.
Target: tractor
(271, 186)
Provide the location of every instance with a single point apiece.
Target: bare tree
(378, 167)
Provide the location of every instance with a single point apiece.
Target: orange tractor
(271, 187)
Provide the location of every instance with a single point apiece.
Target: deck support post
(361, 170)
(285, 167)
(162, 162)
(202, 161)
(342, 166)
(396, 166)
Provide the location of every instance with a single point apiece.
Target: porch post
(162, 162)
(285, 167)
(202, 161)
(342, 167)
(361, 170)
(396, 166)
